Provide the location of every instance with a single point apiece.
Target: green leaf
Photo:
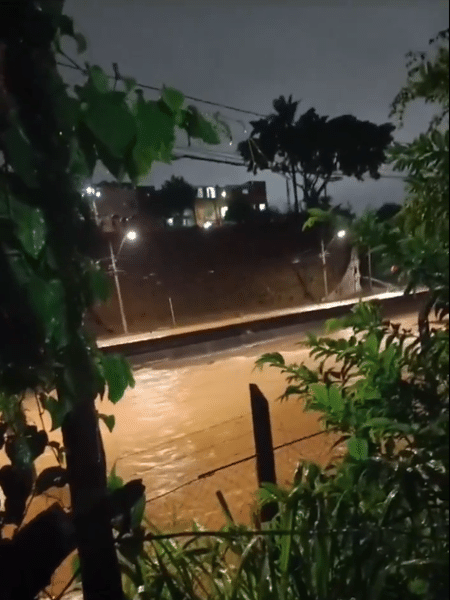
(81, 42)
(37, 441)
(30, 224)
(224, 125)
(321, 566)
(19, 453)
(99, 79)
(198, 127)
(129, 83)
(378, 422)
(48, 301)
(173, 98)
(336, 401)
(358, 448)
(137, 513)
(333, 325)
(268, 492)
(51, 477)
(58, 410)
(118, 376)
(273, 359)
(20, 154)
(78, 162)
(372, 343)
(419, 587)
(111, 122)
(108, 420)
(76, 568)
(156, 135)
(320, 393)
(65, 24)
(114, 481)
(114, 165)
(87, 145)
(99, 283)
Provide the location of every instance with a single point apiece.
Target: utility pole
(119, 294)
(369, 258)
(288, 194)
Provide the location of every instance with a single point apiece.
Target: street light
(131, 236)
(341, 235)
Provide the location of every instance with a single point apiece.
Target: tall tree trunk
(294, 185)
(86, 467)
(26, 70)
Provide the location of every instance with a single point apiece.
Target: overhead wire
(73, 65)
(219, 155)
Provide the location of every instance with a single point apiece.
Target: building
(212, 202)
(114, 204)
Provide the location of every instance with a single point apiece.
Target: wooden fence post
(265, 457)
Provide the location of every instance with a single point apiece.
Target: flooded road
(189, 417)
(184, 418)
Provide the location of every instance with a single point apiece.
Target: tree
(386, 392)
(240, 211)
(315, 151)
(388, 211)
(52, 136)
(176, 195)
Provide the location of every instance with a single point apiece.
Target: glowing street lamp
(341, 234)
(131, 236)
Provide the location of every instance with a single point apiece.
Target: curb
(216, 338)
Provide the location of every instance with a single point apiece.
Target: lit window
(223, 211)
(262, 207)
(224, 194)
(170, 221)
(245, 191)
(200, 193)
(210, 192)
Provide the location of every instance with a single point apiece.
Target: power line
(220, 159)
(214, 160)
(77, 67)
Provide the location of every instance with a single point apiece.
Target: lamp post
(323, 254)
(129, 236)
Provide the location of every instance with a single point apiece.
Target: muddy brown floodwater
(186, 418)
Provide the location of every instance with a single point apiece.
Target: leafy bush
(373, 524)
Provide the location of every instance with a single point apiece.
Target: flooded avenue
(184, 418)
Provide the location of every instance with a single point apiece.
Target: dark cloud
(340, 57)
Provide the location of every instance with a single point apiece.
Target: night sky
(339, 57)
